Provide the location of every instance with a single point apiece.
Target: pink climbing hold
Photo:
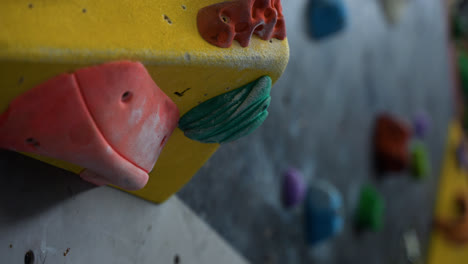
(111, 119)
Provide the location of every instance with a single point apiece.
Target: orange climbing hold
(221, 23)
(111, 119)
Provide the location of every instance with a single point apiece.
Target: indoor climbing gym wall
(234, 131)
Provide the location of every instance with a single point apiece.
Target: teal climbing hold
(229, 116)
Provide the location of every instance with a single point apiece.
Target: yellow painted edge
(452, 181)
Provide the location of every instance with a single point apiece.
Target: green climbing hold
(463, 68)
(458, 28)
(370, 210)
(420, 165)
(229, 116)
(463, 72)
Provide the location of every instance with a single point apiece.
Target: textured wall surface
(63, 219)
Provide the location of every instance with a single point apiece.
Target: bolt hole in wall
(29, 257)
(168, 20)
(176, 259)
(32, 142)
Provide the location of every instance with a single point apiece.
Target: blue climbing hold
(326, 17)
(323, 218)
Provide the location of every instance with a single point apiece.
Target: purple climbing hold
(462, 155)
(421, 123)
(294, 188)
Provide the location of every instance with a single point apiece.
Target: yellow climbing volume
(41, 39)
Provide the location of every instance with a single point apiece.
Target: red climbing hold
(391, 143)
(111, 119)
(221, 23)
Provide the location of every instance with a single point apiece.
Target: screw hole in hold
(29, 257)
(225, 19)
(176, 259)
(30, 6)
(84, 10)
(184, 7)
(187, 56)
(271, 41)
(168, 20)
(127, 96)
(32, 142)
